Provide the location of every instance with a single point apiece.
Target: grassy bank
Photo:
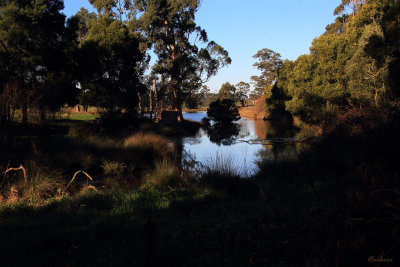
(336, 204)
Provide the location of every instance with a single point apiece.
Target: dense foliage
(36, 47)
(99, 59)
(354, 63)
(223, 111)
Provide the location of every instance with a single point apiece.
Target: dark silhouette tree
(223, 111)
(111, 61)
(36, 43)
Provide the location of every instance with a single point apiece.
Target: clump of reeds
(165, 175)
(225, 164)
(224, 176)
(113, 168)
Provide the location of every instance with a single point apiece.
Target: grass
(83, 116)
(39, 184)
(160, 146)
(165, 176)
(334, 204)
(168, 229)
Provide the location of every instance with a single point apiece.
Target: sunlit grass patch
(83, 116)
(161, 146)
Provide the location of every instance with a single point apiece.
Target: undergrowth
(336, 203)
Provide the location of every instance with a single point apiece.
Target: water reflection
(271, 130)
(241, 142)
(225, 134)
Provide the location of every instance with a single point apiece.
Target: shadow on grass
(150, 227)
(335, 205)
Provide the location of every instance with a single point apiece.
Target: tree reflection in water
(274, 129)
(225, 134)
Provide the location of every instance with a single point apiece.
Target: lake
(240, 145)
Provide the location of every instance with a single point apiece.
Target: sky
(244, 27)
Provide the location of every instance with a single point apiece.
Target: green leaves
(112, 57)
(349, 65)
(170, 28)
(269, 63)
(227, 91)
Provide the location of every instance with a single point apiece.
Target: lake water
(240, 145)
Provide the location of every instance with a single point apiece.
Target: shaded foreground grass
(336, 205)
(170, 228)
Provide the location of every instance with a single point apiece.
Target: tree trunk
(376, 94)
(25, 113)
(150, 99)
(42, 115)
(140, 109)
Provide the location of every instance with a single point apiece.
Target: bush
(223, 111)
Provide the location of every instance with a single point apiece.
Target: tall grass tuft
(165, 175)
(36, 184)
(42, 183)
(113, 168)
(160, 146)
(222, 176)
(226, 165)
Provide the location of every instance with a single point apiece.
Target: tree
(84, 18)
(242, 91)
(227, 91)
(354, 5)
(35, 46)
(169, 26)
(223, 111)
(348, 68)
(195, 99)
(111, 57)
(269, 62)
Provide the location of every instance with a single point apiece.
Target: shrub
(223, 111)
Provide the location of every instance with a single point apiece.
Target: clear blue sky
(244, 27)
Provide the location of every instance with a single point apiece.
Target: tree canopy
(227, 91)
(242, 91)
(223, 111)
(100, 58)
(36, 48)
(352, 64)
(168, 26)
(269, 63)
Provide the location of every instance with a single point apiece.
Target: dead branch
(17, 169)
(73, 178)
